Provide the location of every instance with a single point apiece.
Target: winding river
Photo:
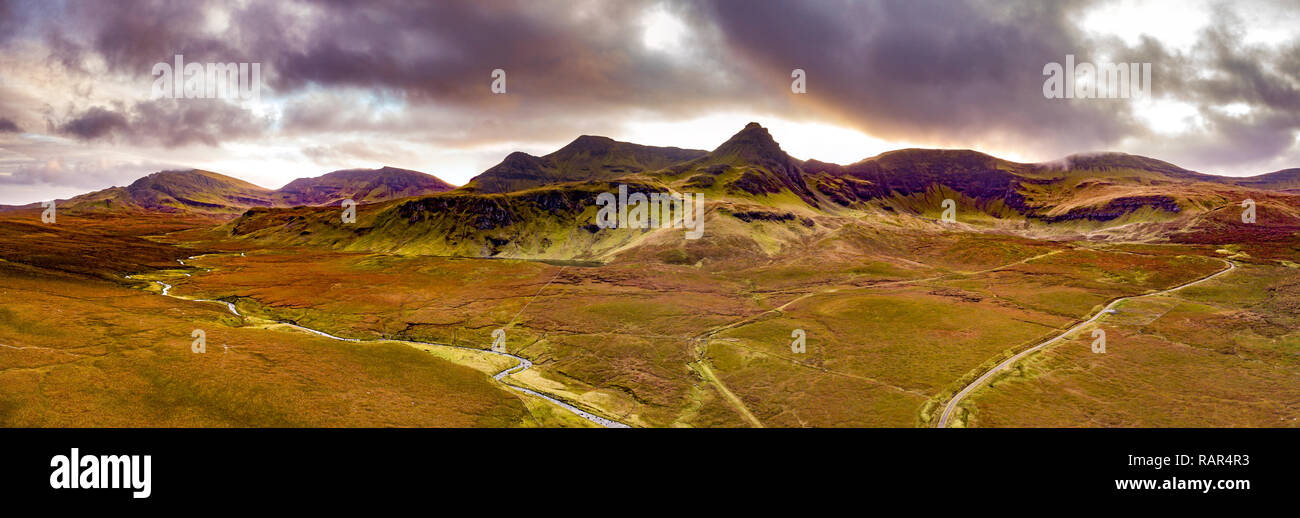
(522, 365)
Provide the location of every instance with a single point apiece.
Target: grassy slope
(1220, 354)
(119, 356)
(899, 309)
(621, 337)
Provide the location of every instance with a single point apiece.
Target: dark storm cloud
(944, 69)
(572, 67)
(423, 51)
(962, 71)
(167, 122)
(132, 35)
(8, 20)
(950, 72)
(553, 53)
(11, 20)
(207, 121)
(97, 122)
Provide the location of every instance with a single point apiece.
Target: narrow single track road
(951, 407)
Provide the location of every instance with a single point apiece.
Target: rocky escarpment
(487, 212)
(1115, 208)
(917, 171)
(749, 216)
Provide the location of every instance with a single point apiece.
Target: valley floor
(889, 338)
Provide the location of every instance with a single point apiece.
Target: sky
(410, 84)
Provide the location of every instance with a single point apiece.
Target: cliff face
(913, 172)
(1116, 208)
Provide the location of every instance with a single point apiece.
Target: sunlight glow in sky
(1169, 117)
(801, 140)
(662, 31)
(407, 85)
(1174, 23)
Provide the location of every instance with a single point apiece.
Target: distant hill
(1120, 164)
(205, 193)
(1284, 180)
(192, 191)
(360, 185)
(586, 158)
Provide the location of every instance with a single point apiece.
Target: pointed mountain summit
(586, 158)
(360, 185)
(750, 162)
(754, 144)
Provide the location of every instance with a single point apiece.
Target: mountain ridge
(761, 202)
(586, 158)
(542, 207)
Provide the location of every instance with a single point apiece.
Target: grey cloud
(8, 20)
(168, 123)
(436, 123)
(944, 69)
(353, 152)
(130, 36)
(1219, 70)
(43, 168)
(950, 72)
(96, 122)
(84, 172)
(208, 121)
(1246, 75)
(962, 72)
(422, 51)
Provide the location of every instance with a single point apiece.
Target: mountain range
(760, 201)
